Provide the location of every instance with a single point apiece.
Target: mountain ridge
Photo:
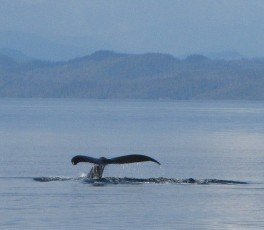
(110, 75)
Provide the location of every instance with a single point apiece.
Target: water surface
(211, 177)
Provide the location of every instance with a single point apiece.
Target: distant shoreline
(150, 76)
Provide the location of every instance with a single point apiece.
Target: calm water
(40, 189)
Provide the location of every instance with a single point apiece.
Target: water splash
(83, 175)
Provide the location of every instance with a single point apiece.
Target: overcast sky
(176, 27)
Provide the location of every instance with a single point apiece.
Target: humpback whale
(99, 163)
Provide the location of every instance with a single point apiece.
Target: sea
(211, 174)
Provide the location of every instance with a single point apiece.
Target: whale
(99, 163)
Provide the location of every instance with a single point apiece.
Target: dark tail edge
(133, 158)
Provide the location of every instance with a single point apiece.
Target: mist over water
(211, 173)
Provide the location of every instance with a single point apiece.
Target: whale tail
(99, 163)
(127, 159)
(96, 172)
(134, 158)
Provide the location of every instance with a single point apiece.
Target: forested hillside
(106, 74)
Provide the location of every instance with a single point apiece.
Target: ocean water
(211, 174)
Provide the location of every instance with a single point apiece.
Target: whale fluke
(100, 163)
(134, 158)
(79, 158)
(127, 159)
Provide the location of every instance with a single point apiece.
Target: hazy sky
(176, 27)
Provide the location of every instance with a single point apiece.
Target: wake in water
(126, 180)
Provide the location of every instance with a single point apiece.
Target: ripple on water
(126, 180)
